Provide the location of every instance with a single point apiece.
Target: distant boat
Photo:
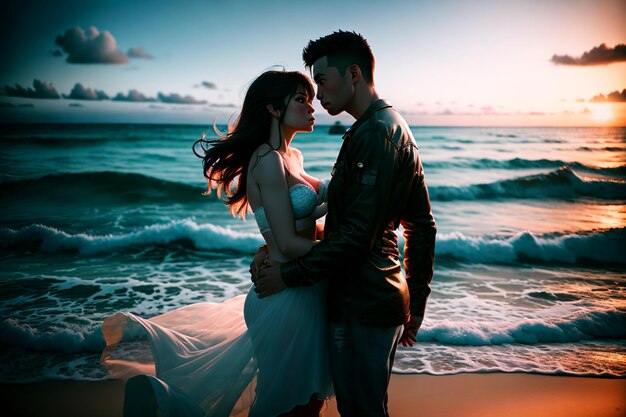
(337, 129)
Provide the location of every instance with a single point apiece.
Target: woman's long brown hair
(225, 160)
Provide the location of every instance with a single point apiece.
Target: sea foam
(591, 325)
(587, 326)
(559, 184)
(201, 236)
(61, 340)
(603, 246)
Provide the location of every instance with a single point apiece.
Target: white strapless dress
(219, 359)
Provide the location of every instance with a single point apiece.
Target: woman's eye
(301, 99)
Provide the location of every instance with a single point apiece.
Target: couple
(328, 307)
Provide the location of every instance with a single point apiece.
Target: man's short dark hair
(342, 49)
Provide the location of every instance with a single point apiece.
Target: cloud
(134, 96)
(484, 111)
(600, 55)
(80, 92)
(178, 99)
(615, 96)
(209, 85)
(92, 47)
(598, 98)
(43, 89)
(412, 112)
(139, 53)
(225, 105)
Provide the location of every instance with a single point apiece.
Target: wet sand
(463, 395)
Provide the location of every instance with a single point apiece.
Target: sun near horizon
(603, 113)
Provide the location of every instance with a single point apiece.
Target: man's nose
(319, 94)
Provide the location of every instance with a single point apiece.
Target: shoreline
(459, 395)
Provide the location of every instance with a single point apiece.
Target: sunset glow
(439, 63)
(602, 113)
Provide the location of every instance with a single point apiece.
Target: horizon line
(226, 124)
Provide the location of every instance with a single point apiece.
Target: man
(377, 183)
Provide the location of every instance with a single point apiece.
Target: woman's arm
(270, 176)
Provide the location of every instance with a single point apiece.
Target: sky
(445, 62)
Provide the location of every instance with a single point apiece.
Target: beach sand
(463, 395)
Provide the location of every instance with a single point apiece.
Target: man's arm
(419, 246)
(419, 250)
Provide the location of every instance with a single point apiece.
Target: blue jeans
(361, 359)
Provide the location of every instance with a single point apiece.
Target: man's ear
(355, 73)
(273, 111)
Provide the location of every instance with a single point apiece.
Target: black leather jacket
(377, 184)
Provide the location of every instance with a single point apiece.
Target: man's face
(334, 90)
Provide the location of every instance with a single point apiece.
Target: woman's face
(299, 112)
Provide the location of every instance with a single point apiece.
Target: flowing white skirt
(218, 359)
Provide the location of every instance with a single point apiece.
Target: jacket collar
(374, 107)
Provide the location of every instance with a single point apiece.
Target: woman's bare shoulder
(261, 153)
(266, 163)
(262, 150)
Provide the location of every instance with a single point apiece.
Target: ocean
(530, 254)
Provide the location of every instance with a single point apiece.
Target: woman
(205, 355)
